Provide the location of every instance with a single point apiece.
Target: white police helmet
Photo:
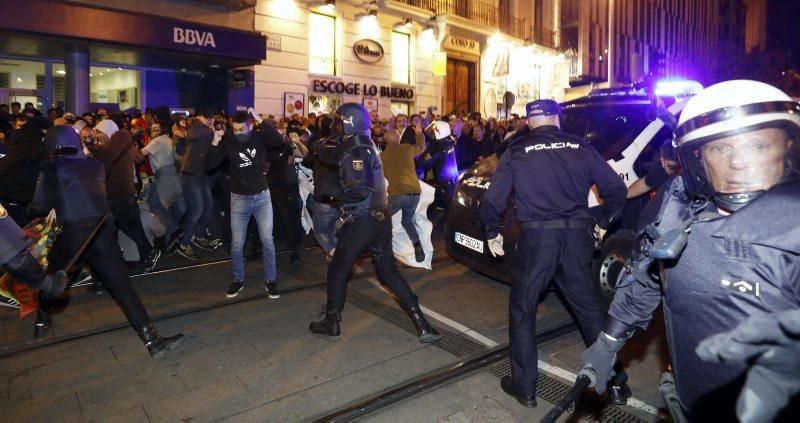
(720, 162)
(439, 129)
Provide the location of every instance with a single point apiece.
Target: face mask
(242, 138)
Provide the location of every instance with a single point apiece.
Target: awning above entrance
(48, 29)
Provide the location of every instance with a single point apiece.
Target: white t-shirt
(161, 152)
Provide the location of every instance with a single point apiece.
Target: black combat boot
(43, 324)
(619, 394)
(156, 345)
(329, 326)
(427, 334)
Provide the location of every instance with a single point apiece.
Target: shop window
(322, 44)
(401, 58)
(114, 86)
(400, 108)
(21, 81)
(323, 104)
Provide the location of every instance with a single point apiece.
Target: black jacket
(198, 141)
(323, 159)
(361, 175)
(551, 173)
(248, 161)
(75, 187)
(20, 164)
(733, 267)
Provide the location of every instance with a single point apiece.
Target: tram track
(23, 348)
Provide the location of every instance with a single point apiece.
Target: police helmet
(439, 129)
(62, 141)
(736, 139)
(355, 118)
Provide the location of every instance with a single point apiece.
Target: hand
(293, 137)
(597, 361)
(496, 246)
(770, 343)
(54, 284)
(217, 137)
(255, 115)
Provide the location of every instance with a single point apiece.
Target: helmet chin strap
(734, 202)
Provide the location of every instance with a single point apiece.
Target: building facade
(669, 38)
(283, 56)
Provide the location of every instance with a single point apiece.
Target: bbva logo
(193, 37)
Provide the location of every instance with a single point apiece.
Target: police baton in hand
(582, 382)
(85, 245)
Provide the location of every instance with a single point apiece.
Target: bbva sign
(193, 37)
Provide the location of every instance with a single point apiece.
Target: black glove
(771, 344)
(598, 361)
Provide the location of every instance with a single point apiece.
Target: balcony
(488, 15)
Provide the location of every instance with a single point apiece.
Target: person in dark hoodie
(283, 185)
(120, 156)
(18, 167)
(246, 152)
(196, 190)
(75, 186)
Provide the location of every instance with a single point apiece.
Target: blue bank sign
(135, 29)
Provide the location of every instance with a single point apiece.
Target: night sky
(783, 28)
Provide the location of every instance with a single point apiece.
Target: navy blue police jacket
(733, 267)
(361, 176)
(550, 173)
(75, 187)
(441, 157)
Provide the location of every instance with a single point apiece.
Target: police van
(626, 126)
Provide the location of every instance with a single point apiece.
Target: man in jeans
(245, 151)
(196, 187)
(404, 189)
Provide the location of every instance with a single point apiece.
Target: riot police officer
(16, 260)
(322, 158)
(364, 224)
(74, 186)
(441, 157)
(550, 173)
(726, 241)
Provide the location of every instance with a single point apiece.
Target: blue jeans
(323, 217)
(243, 207)
(406, 203)
(197, 194)
(169, 217)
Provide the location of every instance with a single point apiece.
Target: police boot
(156, 345)
(329, 326)
(43, 324)
(427, 334)
(618, 389)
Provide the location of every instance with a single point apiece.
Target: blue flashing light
(678, 88)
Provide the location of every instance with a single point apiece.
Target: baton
(85, 245)
(581, 383)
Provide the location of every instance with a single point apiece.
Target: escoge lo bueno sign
(371, 90)
(368, 51)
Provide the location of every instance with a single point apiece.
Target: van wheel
(609, 268)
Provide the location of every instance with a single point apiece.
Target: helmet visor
(743, 162)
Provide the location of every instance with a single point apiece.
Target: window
(401, 58)
(400, 108)
(322, 44)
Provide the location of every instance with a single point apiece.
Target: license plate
(469, 242)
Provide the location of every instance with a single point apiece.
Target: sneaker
(187, 251)
(83, 278)
(419, 253)
(202, 243)
(234, 289)
(214, 243)
(272, 289)
(151, 261)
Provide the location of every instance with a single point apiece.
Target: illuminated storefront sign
(369, 90)
(463, 45)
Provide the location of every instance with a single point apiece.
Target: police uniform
(727, 261)
(365, 225)
(550, 173)
(76, 188)
(441, 157)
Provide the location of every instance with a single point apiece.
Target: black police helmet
(62, 141)
(355, 118)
